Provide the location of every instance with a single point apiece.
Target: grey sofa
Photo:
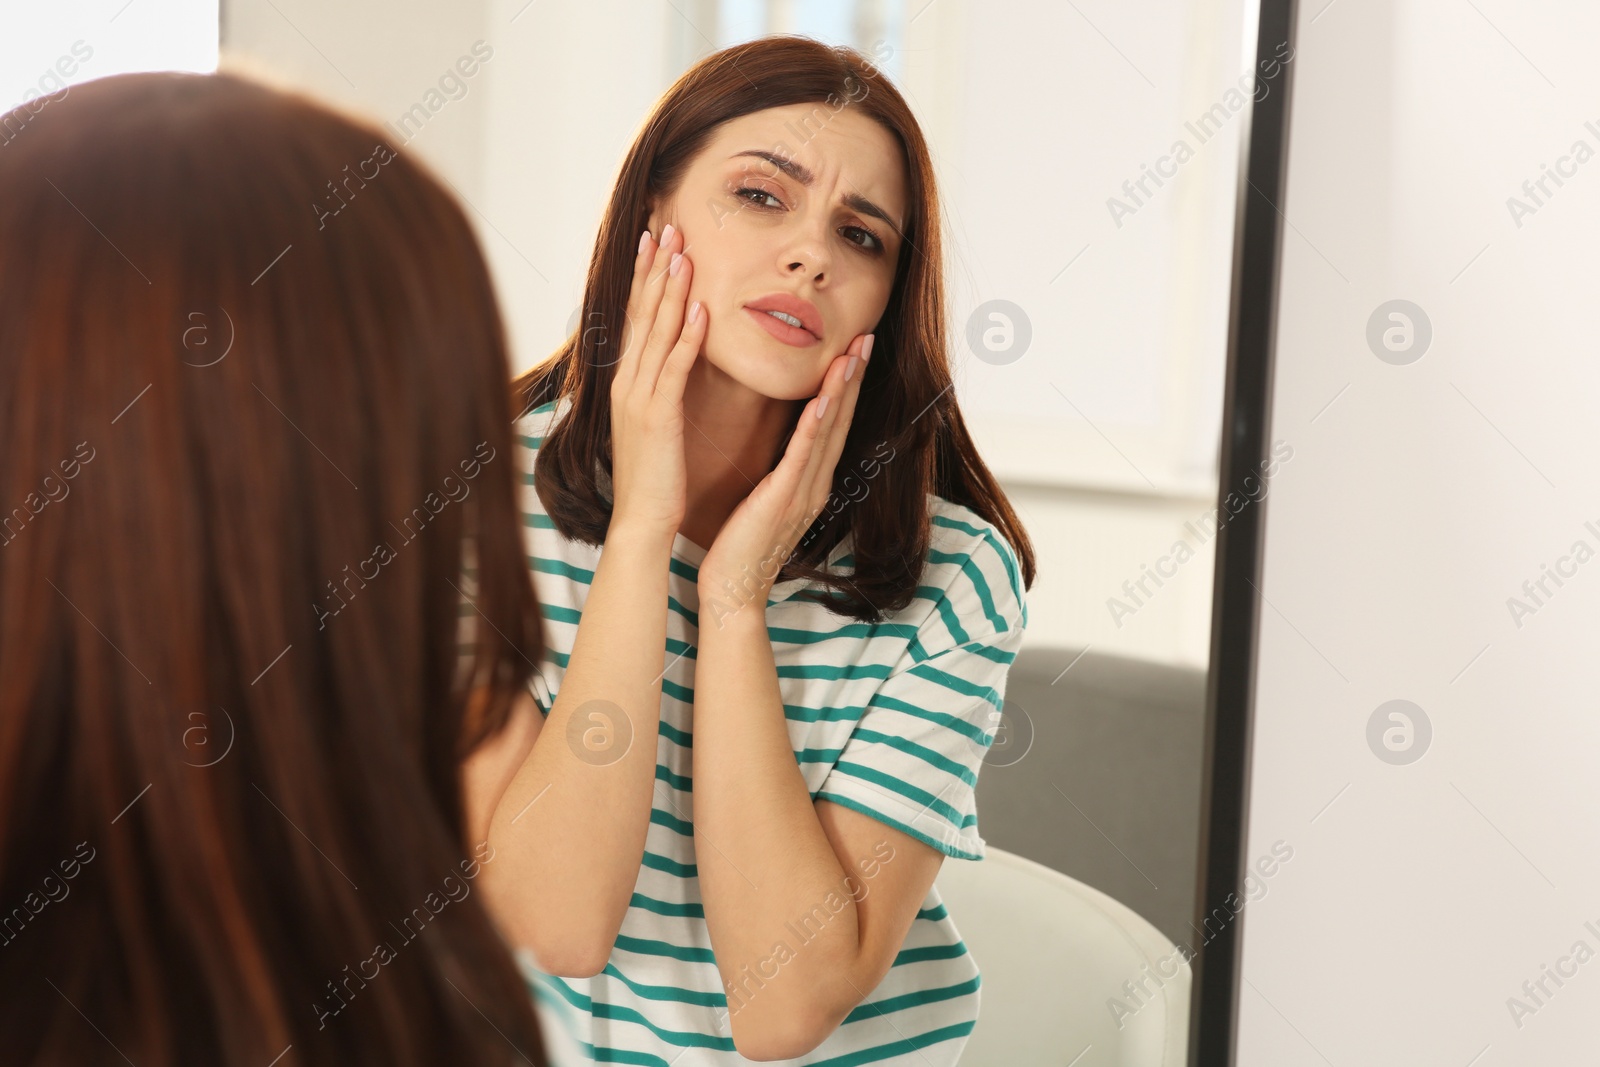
(1107, 787)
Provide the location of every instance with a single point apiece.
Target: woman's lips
(789, 335)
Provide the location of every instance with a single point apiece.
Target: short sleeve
(912, 760)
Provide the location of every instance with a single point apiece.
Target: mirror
(1090, 161)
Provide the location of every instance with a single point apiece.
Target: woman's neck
(731, 438)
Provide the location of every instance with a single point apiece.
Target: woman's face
(796, 209)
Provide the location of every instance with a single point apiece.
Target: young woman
(253, 410)
(782, 594)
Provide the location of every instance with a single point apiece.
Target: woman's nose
(807, 254)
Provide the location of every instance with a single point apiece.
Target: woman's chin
(771, 370)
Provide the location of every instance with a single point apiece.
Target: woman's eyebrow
(853, 201)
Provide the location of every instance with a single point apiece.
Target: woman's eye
(859, 236)
(759, 195)
(873, 243)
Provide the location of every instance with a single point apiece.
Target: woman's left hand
(742, 564)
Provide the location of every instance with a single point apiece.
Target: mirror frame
(1235, 607)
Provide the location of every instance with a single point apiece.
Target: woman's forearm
(769, 865)
(569, 831)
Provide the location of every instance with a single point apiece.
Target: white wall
(45, 48)
(1422, 895)
(1105, 429)
(381, 60)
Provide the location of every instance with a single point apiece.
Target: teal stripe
(546, 994)
(979, 584)
(1008, 557)
(568, 998)
(848, 632)
(800, 713)
(673, 605)
(649, 947)
(668, 865)
(831, 673)
(961, 726)
(556, 613)
(905, 789)
(672, 822)
(947, 613)
(914, 999)
(605, 1054)
(550, 990)
(686, 910)
(681, 783)
(681, 738)
(917, 650)
(989, 652)
(957, 684)
(818, 755)
(673, 993)
(911, 748)
(932, 594)
(931, 952)
(898, 1048)
(676, 1038)
(581, 576)
(561, 569)
(911, 831)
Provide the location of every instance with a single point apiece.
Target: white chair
(1052, 952)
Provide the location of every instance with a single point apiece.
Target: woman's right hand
(661, 342)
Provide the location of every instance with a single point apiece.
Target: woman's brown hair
(907, 409)
(254, 406)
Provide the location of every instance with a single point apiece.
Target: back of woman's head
(254, 408)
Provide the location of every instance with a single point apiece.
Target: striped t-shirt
(890, 719)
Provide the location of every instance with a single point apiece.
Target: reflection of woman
(231, 823)
(833, 657)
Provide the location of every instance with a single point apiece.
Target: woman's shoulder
(975, 567)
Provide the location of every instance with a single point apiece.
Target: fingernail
(666, 234)
(850, 369)
(866, 347)
(694, 311)
(822, 406)
(644, 241)
(677, 261)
